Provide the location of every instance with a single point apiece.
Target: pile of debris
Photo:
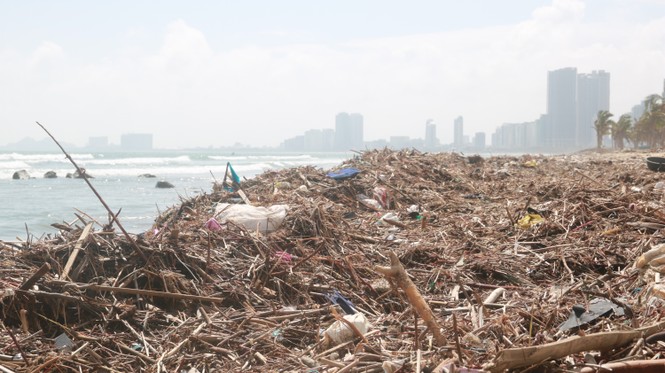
(394, 261)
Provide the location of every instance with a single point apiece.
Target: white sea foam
(139, 161)
(32, 157)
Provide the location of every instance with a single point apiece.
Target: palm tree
(619, 130)
(602, 126)
(651, 124)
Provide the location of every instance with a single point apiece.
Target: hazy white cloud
(45, 53)
(188, 93)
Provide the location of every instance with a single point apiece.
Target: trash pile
(393, 261)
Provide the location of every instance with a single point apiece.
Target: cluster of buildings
(348, 134)
(573, 103)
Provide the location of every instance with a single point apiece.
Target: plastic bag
(264, 219)
(339, 332)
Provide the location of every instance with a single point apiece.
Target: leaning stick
(82, 173)
(397, 273)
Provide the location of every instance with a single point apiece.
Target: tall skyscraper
(348, 131)
(562, 107)
(357, 130)
(430, 135)
(593, 95)
(458, 137)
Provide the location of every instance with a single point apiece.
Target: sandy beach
(493, 258)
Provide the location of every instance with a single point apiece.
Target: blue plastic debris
(336, 298)
(344, 173)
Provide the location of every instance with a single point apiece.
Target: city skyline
(257, 72)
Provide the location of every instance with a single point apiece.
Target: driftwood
(75, 252)
(397, 273)
(521, 357)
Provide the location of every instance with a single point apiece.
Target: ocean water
(33, 205)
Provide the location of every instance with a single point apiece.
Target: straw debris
(192, 296)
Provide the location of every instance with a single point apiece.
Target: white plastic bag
(339, 332)
(265, 219)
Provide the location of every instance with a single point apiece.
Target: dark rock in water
(164, 184)
(79, 175)
(50, 175)
(21, 175)
(147, 176)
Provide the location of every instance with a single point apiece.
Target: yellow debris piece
(530, 164)
(529, 220)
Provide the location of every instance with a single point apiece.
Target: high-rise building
(348, 131)
(328, 140)
(313, 140)
(479, 140)
(562, 108)
(637, 111)
(342, 131)
(593, 95)
(516, 136)
(294, 144)
(430, 135)
(357, 130)
(458, 136)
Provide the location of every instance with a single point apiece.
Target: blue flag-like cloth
(336, 298)
(235, 179)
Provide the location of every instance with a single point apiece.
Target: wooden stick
(524, 356)
(397, 273)
(154, 293)
(457, 344)
(75, 253)
(82, 173)
(18, 346)
(35, 277)
(148, 293)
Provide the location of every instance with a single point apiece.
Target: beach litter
(455, 283)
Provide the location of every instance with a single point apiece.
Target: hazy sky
(200, 73)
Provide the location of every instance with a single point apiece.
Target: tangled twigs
(82, 173)
(397, 273)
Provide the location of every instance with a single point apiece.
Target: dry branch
(397, 273)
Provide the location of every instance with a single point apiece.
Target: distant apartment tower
(430, 135)
(479, 140)
(458, 135)
(294, 144)
(593, 95)
(515, 136)
(313, 140)
(562, 108)
(328, 135)
(637, 111)
(136, 141)
(348, 131)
